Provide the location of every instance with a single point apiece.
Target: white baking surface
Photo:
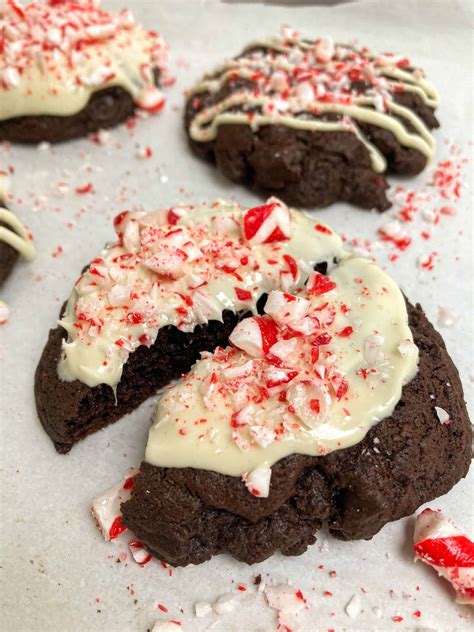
(58, 574)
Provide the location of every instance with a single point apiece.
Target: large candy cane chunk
(106, 507)
(440, 544)
(258, 481)
(320, 284)
(255, 335)
(151, 99)
(286, 308)
(268, 223)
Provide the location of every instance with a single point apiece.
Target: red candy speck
(243, 295)
(85, 188)
(323, 229)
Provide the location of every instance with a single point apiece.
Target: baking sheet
(58, 574)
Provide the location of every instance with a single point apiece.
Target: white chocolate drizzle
(324, 369)
(298, 84)
(55, 56)
(15, 234)
(183, 267)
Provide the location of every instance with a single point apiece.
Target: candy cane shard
(258, 481)
(267, 223)
(440, 544)
(107, 514)
(288, 602)
(106, 506)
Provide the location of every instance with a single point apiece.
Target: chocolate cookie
(314, 122)
(174, 285)
(91, 75)
(105, 108)
(70, 411)
(185, 515)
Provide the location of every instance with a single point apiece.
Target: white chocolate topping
(314, 86)
(183, 267)
(311, 377)
(55, 55)
(15, 234)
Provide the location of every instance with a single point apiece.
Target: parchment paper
(59, 575)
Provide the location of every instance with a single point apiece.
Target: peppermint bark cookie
(173, 285)
(314, 122)
(68, 69)
(15, 239)
(326, 410)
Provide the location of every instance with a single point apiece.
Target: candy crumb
(225, 603)
(202, 608)
(353, 606)
(442, 415)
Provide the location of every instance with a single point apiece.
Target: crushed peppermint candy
(416, 213)
(268, 223)
(182, 267)
(258, 481)
(202, 608)
(75, 47)
(444, 547)
(353, 606)
(442, 415)
(106, 508)
(226, 603)
(288, 601)
(139, 552)
(446, 317)
(314, 362)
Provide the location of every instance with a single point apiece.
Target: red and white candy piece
(258, 481)
(443, 415)
(166, 263)
(139, 552)
(440, 544)
(255, 335)
(289, 275)
(319, 284)
(288, 601)
(286, 309)
(283, 352)
(310, 401)
(106, 507)
(268, 223)
(324, 49)
(151, 100)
